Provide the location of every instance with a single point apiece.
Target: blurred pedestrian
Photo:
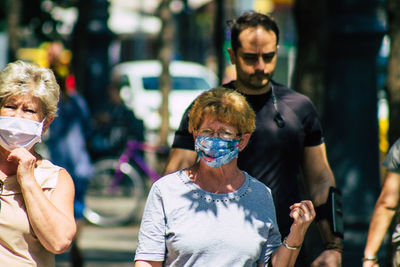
(384, 212)
(212, 213)
(67, 142)
(36, 197)
(114, 126)
(288, 138)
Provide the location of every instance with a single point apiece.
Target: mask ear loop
(280, 122)
(43, 124)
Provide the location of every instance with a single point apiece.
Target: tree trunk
(219, 36)
(312, 29)
(165, 52)
(393, 71)
(13, 25)
(80, 46)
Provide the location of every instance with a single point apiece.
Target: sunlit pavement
(105, 247)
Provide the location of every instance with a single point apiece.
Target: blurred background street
(105, 247)
(113, 52)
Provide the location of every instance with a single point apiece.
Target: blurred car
(140, 89)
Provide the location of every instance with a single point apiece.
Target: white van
(140, 90)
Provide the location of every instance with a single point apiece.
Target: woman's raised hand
(303, 214)
(26, 164)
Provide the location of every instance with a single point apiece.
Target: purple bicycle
(118, 187)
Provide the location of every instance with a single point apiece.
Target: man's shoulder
(284, 91)
(230, 85)
(291, 97)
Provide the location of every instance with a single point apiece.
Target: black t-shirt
(273, 155)
(392, 159)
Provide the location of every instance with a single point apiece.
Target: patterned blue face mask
(215, 151)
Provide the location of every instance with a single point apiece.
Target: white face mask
(18, 132)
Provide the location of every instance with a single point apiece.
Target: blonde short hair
(20, 77)
(224, 105)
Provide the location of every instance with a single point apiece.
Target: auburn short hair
(225, 105)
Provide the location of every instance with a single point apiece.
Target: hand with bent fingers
(303, 214)
(26, 164)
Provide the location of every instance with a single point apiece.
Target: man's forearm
(330, 220)
(331, 241)
(319, 179)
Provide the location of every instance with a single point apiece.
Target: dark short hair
(250, 19)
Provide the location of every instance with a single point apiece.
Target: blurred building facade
(129, 30)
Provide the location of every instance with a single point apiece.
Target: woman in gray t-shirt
(384, 211)
(213, 214)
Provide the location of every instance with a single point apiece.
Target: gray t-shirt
(392, 159)
(392, 163)
(184, 225)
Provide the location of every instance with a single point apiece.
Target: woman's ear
(46, 124)
(244, 140)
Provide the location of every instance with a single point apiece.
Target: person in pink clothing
(36, 197)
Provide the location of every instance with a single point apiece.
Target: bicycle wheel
(113, 205)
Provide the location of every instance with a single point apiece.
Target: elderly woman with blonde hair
(36, 197)
(214, 214)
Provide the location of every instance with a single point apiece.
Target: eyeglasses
(225, 134)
